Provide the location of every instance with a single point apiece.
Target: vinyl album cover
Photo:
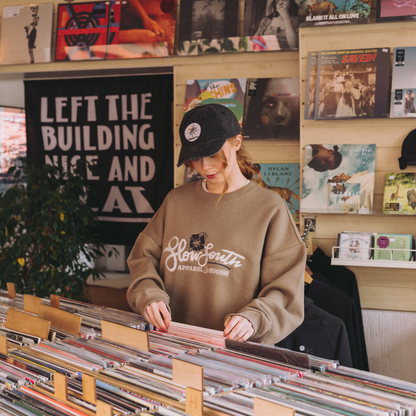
(403, 84)
(12, 142)
(270, 25)
(341, 164)
(353, 84)
(311, 85)
(272, 109)
(333, 12)
(284, 179)
(400, 194)
(116, 29)
(207, 26)
(227, 91)
(344, 197)
(355, 245)
(85, 30)
(384, 243)
(26, 34)
(395, 10)
(147, 29)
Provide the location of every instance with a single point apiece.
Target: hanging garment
(345, 280)
(321, 334)
(334, 301)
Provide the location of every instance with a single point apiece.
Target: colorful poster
(403, 83)
(207, 26)
(284, 179)
(123, 127)
(12, 142)
(272, 109)
(115, 30)
(333, 12)
(353, 84)
(340, 165)
(226, 91)
(26, 34)
(270, 25)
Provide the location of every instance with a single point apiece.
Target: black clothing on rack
(345, 280)
(321, 334)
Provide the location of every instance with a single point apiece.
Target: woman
(282, 21)
(221, 253)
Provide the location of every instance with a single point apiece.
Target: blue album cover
(284, 179)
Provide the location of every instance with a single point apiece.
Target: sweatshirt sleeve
(279, 307)
(147, 286)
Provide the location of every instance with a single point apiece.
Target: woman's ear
(237, 141)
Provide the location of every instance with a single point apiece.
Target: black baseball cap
(408, 151)
(204, 130)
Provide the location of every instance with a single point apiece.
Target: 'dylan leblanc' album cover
(26, 34)
(284, 179)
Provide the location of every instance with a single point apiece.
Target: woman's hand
(158, 315)
(238, 328)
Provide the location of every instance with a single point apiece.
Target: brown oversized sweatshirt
(242, 256)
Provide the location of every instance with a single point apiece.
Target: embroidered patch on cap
(192, 132)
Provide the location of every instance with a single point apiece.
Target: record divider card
(264, 407)
(125, 335)
(11, 290)
(4, 347)
(55, 301)
(89, 393)
(192, 377)
(23, 322)
(31, 304)
(63, 320)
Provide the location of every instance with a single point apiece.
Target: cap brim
(197, 151)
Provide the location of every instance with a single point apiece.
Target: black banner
(122, 125)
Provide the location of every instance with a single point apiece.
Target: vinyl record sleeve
(341, 164)
(395, 11)
(229, 92)
(265, 30)
(403, 83)
(355, 245)
(399, 196)
(384, 243)
(207, 26)
(353, 84)
(284, 179)
(333, 12)
(272, 109)
(311, 79)
(26, 34)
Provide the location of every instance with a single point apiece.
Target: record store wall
(388, 295)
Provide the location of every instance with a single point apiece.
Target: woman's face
(213, 169)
